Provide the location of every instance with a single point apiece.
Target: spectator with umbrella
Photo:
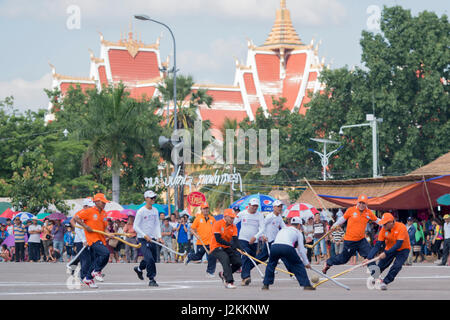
(3, 233)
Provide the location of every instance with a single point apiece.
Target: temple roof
(283, 34)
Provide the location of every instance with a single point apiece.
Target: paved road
(179, 282)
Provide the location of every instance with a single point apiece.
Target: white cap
(253, 202)
(277, 203)
(88, 202)
(149, 194)
(296, 220)
(184, 213)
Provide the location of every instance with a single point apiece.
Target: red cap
(229, 213)
(386, 218)
(100, 197)
(363, 198)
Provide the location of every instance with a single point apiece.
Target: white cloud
(27, 94)
(303, 12)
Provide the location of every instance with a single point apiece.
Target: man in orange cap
(224, 243)
(397, 246)
(94, 218)
(357, 218)
(202, 226)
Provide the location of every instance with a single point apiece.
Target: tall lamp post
(324, 157)
(174, 71)
(372, 123)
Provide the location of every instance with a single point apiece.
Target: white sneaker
(89, 283)
(230, 286)
(97, 276)
(210, 275)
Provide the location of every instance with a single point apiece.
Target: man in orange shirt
(394, 235)
(94, 218)
(357, 218)
(202, 226)
(224, 243)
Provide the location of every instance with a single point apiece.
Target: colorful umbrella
(57, 216)
(444, 200)
(134, 207)
(2, 220)
(116, 215)
(8, 213)
(265, 202)
(302, 210)
(129, 212)
(9, 241)
(43, 215)
(23, 216)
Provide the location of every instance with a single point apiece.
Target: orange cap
(100, 197)
(363, 198)
(204, 205)
(229, 213)
(386, 218)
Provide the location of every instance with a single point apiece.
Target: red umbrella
(302, 210)
(129, 212)
(116, 215)
(8, 213)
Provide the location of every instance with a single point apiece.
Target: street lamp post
(174, 70)
(324, 157)
(372, 123)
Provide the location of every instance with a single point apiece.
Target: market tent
(416, 195)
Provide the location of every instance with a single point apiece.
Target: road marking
(95, 291)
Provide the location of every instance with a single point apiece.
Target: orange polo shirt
(203, 228)
(97, 221)
(398, 232)
(357, 222)
(226, 232)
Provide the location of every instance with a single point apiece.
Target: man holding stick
(288, 246)
(273, 222)
(396, 239)
(224, 243)
(202, 229)
(252, 228)
(148, 228)
(357, 218)
(94, 218)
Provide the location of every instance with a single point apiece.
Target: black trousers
(20, 251)
(229, 259)
(446, 251)
(149, 251)
(33, 251)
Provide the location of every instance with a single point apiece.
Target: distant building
(282, 67)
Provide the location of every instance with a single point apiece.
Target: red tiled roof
(139, 92)
(102, 75)
(249, 83)
(225, 96)
(126, 68)
(268, 66)
(64, 86)
(311, 78)
(295, 67)
(217, 117)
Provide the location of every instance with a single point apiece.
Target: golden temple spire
(283, 33)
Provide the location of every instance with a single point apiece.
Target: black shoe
(246, 281)
(309, 288)
(152, 283)
(265, 287)
(139, 273)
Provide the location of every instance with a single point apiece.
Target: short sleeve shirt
(226, 233)
(398, 232)
(357, 222)
(203, 228)
(97, 221)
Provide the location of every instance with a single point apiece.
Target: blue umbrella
(23, 216)
(265, 202)
(2, 220)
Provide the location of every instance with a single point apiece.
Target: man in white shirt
(148, 227)
(252, 228)
(288, 246)
(273, 222)
(446, 249)
(34, 241)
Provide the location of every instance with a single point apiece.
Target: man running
(147, 226)
(396, 239)
(273, 222)
(202, 226)
(252, 228)
(224, 243)
(94, 218)
(288, 246)
(357, 218)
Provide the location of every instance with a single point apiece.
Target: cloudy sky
(209, 34)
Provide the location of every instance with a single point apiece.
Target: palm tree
(115, 126)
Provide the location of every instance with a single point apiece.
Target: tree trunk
(115, 183)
